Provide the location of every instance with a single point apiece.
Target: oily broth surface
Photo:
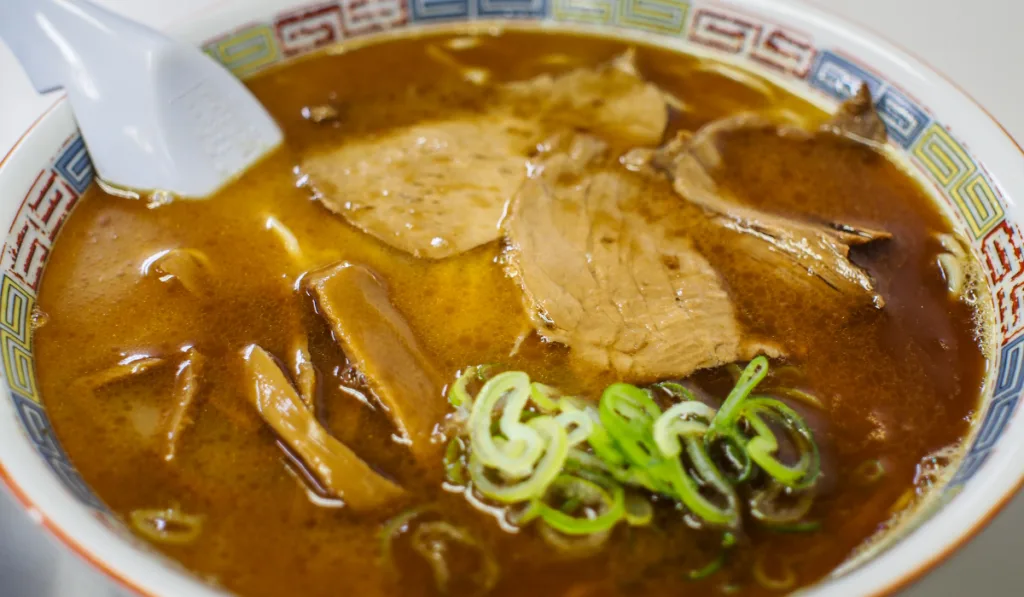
(897, 384)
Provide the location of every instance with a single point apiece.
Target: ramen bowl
(971, 167)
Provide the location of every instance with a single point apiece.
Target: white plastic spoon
(156, 113)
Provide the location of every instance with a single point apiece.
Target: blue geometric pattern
(903, 119)
(999, 413)
(1000, 410)
(437, 10)
(970, 465)
(447, 10)
(75, 166)
(40, 432)
(1010, 379)
(841, 78)
(512, 8)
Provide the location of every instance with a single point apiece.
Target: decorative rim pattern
(966, 187)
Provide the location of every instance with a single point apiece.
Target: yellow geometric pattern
(16, 310)
(660, 16)
(951, 166)
(979, 204)
(942, 156)
(599, 12)
(247, 51)
(16, 338)
(18, 366)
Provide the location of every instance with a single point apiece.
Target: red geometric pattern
(360, 17)
(724, 31)
(734, 32)
(308, 29)
(48, 203)
(1003, 251)
(784, 50)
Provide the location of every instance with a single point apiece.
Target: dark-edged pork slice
(819, 251)
(858, 119)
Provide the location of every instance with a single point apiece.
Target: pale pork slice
(440, 186)
(622, 293)
(432, 189)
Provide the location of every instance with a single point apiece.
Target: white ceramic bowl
(941, 135)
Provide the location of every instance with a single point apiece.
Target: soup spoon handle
(156, 113)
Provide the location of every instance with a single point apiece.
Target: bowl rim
(967, 529)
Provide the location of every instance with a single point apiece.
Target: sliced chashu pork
(819, 251)
(379, 343)
(611, 101)
(623, 293)
(339, 470)
(858, 119)
(439, 187)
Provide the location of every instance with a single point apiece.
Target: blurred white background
(978, 44)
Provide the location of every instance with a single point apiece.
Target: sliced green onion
(765, 506)
(577, 422)
(667, 430)
(723, 426)
(607, 506)
(569, 463)
(728, 540)
(677, 422)
(544, 397)
(630, 402)
(525, 515)
(549, 466)
(734, 448)
(729, 413)
(395, 527)
(457, 393)
(627, 413)
(573, 547)
(580, 459)
(870, 471)
(604, 446)
(524, 445)
(688, 491)
(428, 540)
(798, 395)
(769, 582)
(707, 570)
(639, 511)
(454, 464)
(676, 390)
(764, 445)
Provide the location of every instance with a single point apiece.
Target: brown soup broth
(896, 384)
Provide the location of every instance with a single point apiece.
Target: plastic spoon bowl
(156, 114)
